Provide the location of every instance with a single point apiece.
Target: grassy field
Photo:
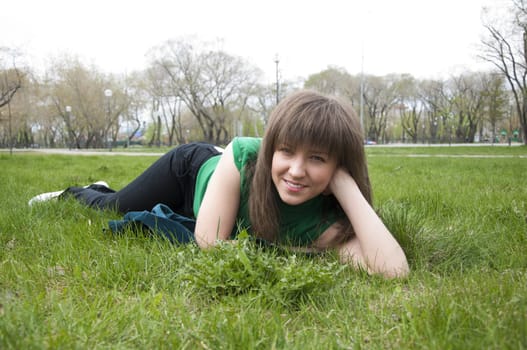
(65, 282)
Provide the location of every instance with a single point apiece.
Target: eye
(285, 150)
(318, 158)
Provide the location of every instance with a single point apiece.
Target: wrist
(342, 180)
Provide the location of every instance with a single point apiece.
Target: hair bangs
(321, 126)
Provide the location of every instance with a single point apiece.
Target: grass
(67, 283)
(498, 149)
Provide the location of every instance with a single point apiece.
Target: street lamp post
(108, 93)
(10, 127)
(361, 110)
(435, 131)
(276, 61)
(70, 131)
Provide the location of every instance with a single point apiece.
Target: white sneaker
(100, 183)
(43, 197)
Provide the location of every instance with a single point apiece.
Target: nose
(297, 167)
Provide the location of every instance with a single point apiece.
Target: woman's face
(300, 174)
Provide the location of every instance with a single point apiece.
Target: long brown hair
(306, 118)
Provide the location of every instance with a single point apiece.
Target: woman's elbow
(205, 242)
(400, 271)
(392, 266)
(395, 267)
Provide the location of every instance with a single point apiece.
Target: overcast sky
(426, 38)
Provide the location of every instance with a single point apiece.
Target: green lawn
(67, 283)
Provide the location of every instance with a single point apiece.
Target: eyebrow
(320, 151)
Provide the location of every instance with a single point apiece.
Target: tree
(496, 100)
(167, 105)
(48, 126)
(379, 98)
(506, 48)
(11, 75)
(335, 81)
(137, 98)
(468, 103)
(263, 101)
(437, 101)
(78, 94)
(212, 84)
(10, 82)
(409, 106)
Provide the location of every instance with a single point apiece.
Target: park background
(412, 77)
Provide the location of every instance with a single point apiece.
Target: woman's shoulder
(245, 149)
(247, 142)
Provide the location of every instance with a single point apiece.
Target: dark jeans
(170, 180)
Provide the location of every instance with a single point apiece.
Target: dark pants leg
(170, 180)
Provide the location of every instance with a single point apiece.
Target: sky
(425, 38)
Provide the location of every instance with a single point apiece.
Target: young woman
(304, 184)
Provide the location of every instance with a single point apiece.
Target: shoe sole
(43, 197)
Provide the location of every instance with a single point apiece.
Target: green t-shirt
(299, 224)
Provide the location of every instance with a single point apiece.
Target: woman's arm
(373, 247)
(218, 210)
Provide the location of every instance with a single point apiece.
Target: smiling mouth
(293, 185)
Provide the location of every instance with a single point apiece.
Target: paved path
(118, 152)
(453, 155)
(82, 152)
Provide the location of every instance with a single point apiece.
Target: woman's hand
(373, 247)
(339, 179)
